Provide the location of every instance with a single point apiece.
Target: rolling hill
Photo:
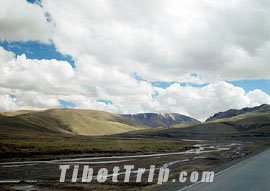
(69, 121)
(91, 122)
(234, 112)
(16, 112)
(165, 120)
(256, 122)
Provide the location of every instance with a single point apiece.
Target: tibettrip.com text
(102, 175)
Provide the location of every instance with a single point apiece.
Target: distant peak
(161, 119)
(235, 112)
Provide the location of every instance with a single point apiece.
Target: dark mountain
(160, 119)
(234, 112)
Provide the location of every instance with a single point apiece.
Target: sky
(190, 57)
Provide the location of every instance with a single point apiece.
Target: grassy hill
(61, 133)
(264, 108)
(16, 112)
(69, 121)
(248, 124)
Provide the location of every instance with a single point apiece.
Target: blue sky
(36, 50)
(247, 85)
(33, 1)
(66, 104)
(107, 102)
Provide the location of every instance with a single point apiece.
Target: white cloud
(206, 101)
(167, 41)
(39, 84)
(7, 103)
(157, 39)
(257, 97)
(23, 21)
(45, 76)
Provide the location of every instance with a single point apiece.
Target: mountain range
(165, 120)
(247, 122)
(94, 122)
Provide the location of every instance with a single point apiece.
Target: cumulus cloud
(159, 40)
(44, 76)
(206, 101)
(7, 103)
(167, 41)
(40, 84)
(23, 21)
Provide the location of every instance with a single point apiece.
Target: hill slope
(248, 124)
(161, 119)
(20, 112)
(71, 121)
(234, 112)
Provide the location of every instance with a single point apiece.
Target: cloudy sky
(193, 57)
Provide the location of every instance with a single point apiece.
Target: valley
(34, 144)
(197, 155)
